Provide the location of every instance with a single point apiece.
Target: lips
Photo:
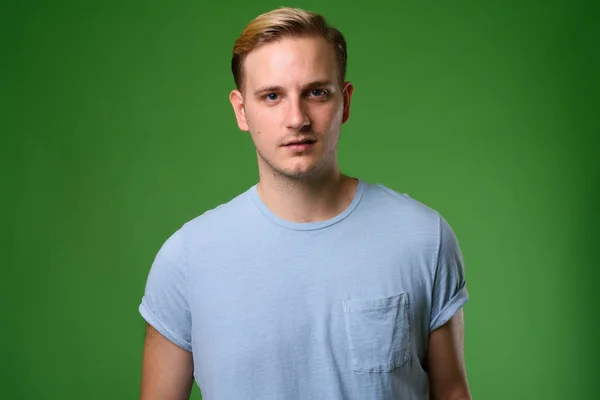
(297, 142)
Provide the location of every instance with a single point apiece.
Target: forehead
(291, 62)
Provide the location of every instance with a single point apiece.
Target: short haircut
(285, 22)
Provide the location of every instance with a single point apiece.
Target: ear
(237, 102)
(347, 93)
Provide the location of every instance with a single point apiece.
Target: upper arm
(167, 369)
(445, 360)
(167, 365)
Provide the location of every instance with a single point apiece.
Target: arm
(167, 365)
(446, 363)
(167, 370)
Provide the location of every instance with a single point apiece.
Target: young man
(311, 284)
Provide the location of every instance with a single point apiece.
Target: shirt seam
(164, 326)
(185, 272)
(336, 220)
(436, 263)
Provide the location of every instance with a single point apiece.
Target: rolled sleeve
(165, 303)
(449, 287)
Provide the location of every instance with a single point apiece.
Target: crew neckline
(307, 226)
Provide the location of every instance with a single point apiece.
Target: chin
(301, 173)
(299, 169)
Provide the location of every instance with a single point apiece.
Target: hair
(285, 22)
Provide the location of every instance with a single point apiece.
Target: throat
(307, 203)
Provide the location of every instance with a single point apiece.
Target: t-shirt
(337, 309)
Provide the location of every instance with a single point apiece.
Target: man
(311, 284)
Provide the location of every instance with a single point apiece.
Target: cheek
(261, 127)
(331, 114)
(329, 120)
(262, 120)
(334, 123)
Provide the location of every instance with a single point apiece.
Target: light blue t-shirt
(339, 309)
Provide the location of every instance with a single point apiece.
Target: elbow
(459, 396)
(463, 394)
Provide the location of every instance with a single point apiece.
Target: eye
(318, 93)
(272, 96)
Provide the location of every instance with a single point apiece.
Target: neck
(307, 200)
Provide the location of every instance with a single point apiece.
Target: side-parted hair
(285, 22)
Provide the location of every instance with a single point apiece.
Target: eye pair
(313, 92)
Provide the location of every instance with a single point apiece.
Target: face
(293, 105)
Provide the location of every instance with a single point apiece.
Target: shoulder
(210, 226)
(400, 209)
(406, 219)
(219, 219)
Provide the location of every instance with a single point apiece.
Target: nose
(297, 116)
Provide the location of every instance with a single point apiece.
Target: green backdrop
(116, 129)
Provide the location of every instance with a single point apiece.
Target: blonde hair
(285, 22)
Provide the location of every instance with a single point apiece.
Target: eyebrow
(269, 89)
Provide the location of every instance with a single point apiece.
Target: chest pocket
(378, 332)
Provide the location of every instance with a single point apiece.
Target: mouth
(300, 145)
(300, 142)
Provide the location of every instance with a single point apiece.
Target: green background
(116, 129)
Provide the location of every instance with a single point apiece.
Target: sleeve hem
(153, 320)
(459, 299)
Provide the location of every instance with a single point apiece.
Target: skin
(292, 90)
(167, 370)
(445, 360)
